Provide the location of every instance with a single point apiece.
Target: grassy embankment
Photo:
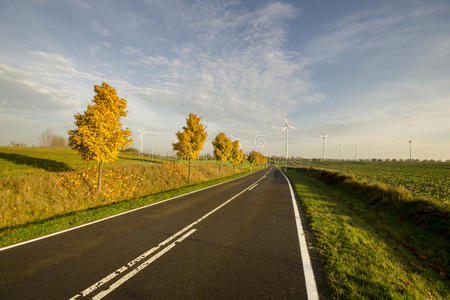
(47, 190)
(429, 179)
(376, 241)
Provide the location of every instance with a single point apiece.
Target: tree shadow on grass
(42, 163)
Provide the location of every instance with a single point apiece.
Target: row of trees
(193, 136)
(256, 158)
(227, 150)
(99, 135)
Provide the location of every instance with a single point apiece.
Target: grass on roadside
(32, 198)
(430, 213)
(39, 183)
(13, 235)
(370, 251)
(425, 179)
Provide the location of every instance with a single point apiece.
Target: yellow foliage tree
(222, 148)
(99, 135)
(190, 140)
(236, 155)
(256, 158)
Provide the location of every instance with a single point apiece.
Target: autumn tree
(190, 140)
(49, 139)
(99, 135)
(251, 157)
(256, 158)
(222, 148)
(236, 155)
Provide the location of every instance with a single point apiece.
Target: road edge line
(119, 214)
(310, 281)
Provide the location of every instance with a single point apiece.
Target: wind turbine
(324, 140)
(141, 137)
(286, 128)
(340, 151)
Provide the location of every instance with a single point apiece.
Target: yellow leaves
(256, 158)
(99, 134)
(191, 139)
(222, 147)
(237, 155)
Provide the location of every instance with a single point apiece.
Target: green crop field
(429, 179)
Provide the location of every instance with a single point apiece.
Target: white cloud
(22, 94)
(128, 50)
(97, 48)
(386, 29)
(133, 20)
(229, 63)
(399, 110)
(236, 69)
(101, 29)
(81, 4)
(155, 60)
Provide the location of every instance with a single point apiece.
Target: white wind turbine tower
(286, 128)
(141, 137)
(324, 140)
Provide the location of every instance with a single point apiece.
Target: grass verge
(429, 213)
(13, 235)
(370, 250)
(31, 198)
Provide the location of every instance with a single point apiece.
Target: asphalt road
(234, 240)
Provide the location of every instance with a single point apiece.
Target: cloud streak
(377, 71)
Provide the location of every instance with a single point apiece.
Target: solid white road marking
(122, 280)
(252, 187)
(311, 288)
(113, 216)
(147, 253)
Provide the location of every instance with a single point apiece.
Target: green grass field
(37, 184)
(27, 160)
(372, 250)
(429, 179)
(17, 234)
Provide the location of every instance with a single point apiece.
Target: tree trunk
(99, 180)
(220, 165)
(189, 172)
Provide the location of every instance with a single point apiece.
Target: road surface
(239, 239)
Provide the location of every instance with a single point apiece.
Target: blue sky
(372, 73)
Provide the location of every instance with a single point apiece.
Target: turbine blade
(290, 126)
(283, 129)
